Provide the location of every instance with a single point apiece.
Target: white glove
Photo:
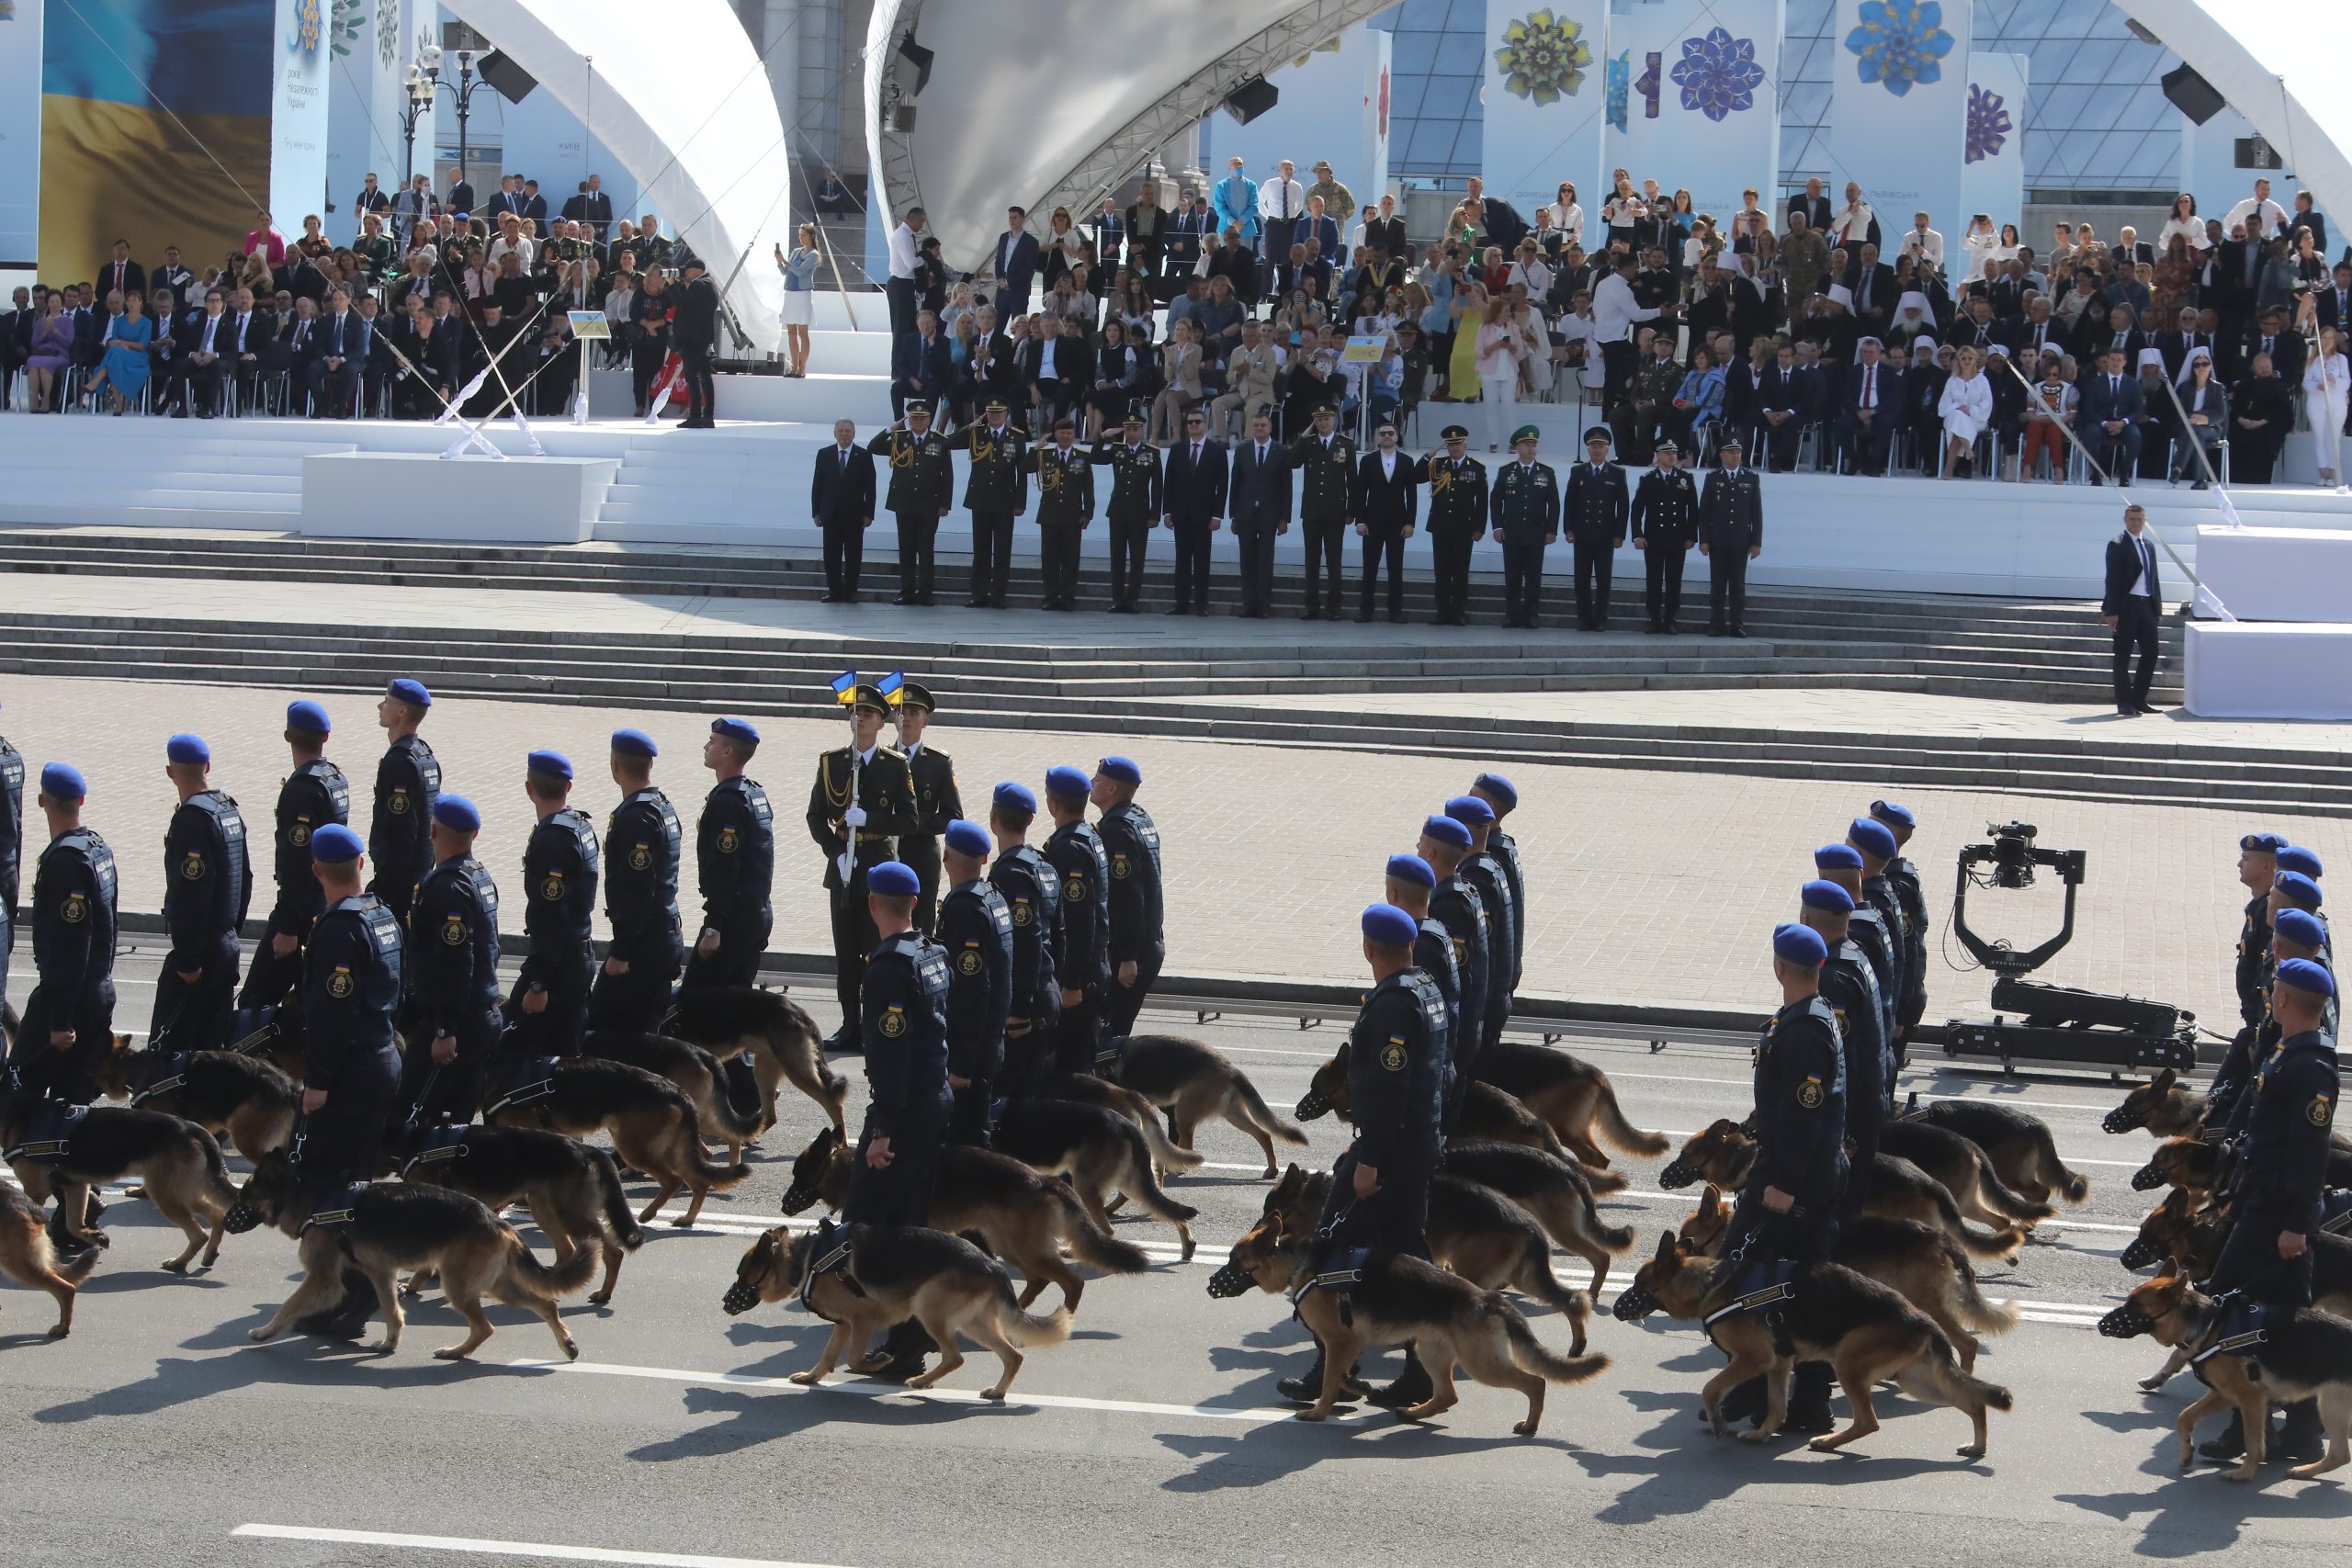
(854, 817)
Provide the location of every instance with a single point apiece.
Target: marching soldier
(2258, 869)
(12, 843)
(734, 863)
(1457, 521)
(1596, 523)
(1483, 869)
(1731, 534)
(996, 491)
(1138, 930)
(1133, 509)
(1666, 525)
(1524, 505)
(1032, 895)
(931, 773)
(208, 886)
(860, 803)
(1065, 507)
(1082, 931)
(1911, 899)
(451, 972)
(1842, 864)
(1408, 882)
(400, 845)
(314, 794)
(976, 934)
(68, 1021)
(1502, 797)
(1326, 460)
(1456, 906)
(922, 487)
(560, 865)
(1876, 841)
(642, 842)
(1851, 990)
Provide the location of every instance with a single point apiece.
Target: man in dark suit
(1815, 205)
(2286, 348)
(2117, 331)
(1387, 502)
(2130, 250)
(2333, 304)
(694, 330)
(1015, 264)
(173, 274)
(1731, 534)
(921, 367)
(338, 346)
(121, 274)
(1781, 409)
(1871, 282)
(2133, 606)
(1259, 506)
(1870, 410)
(535, 206)
(1387, 231)
(1146, 231)
(1194, 494)
(461, 195)
(840, 502)
(1324, 230)
(2110, 413)
(592, 207)
(203, 337)
(1595, 521)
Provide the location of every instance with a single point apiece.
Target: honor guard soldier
(1665, 525)
(996, 491)
(642, 842)
(1502, 797)
(1032, 895)
(976, 934)
(1133, 508)
(1876, 841)
(1457, 521)
(1065, 507)
(1138, 912)
(313, 795)
(1911, 899)
(931, 775)
(1082, 931)
(734, 862)
(1851, 990)
(1525, 510)
(1455, 905)
(1483, 869)
(922, 488)
(12, 845)
(860, 803)
(1596, 510)
(1326, 460)
(1407, 883)
(2295, 933)
(2303, 863)
(68, 1021)
(2257, 871)
(1731, 534)
(1842, 864)
(451, 974)
(208, 886)
(560, 865)
(400, 846)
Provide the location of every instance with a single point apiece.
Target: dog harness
(174, 1070)
(1769, 1284)
(1338, 1271)
(338, 1213)
(2244, 1326)
(534, 1080)
(2336, 1203)
(832, 1252)
(446, 1142)
(252, 1029)
(1106, 1057)
(50, 1134)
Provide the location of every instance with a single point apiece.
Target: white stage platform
(2268, 670)
(474, 498)
(2278, 574)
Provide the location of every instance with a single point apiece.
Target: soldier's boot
(1308, 1388)
(1411, 1387)
(2301, 1439)
(906, 1345)
(1809, 1411)
(1745, 1403)
(347, 1319)
(2230, 1447)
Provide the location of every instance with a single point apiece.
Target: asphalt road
(158, 1433)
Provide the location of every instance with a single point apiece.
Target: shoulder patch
(1809, 1093)
(2320, 1111)
(453, 930)
(894, 1023)
(192, 868)
(1020, 915)
(75, 909)
(1119, 866)
(968, 961)
(552, 888)
(299, 833)
(1074, 887)
(339, 983)
(1393, 1056)
(640, 857)
(398, 805)
(726, 841)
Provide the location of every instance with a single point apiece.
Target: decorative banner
(368, 50)
(1544, 104)
(297, 111)
(1992, 177)
(20, 30)
(1694, 99)
(1898, 113)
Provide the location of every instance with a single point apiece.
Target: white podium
(2268, 670)
(2278, 574)
(418, 495)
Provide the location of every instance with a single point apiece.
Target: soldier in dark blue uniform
(2297, 888)
(1851, 990)
(1326, 461)
(2294, 934)
(1524, 505)
(1731, 534)
(399, 834)
(1455, 905)
(734, 863)
(1876, 841)
(1032, 894)
(313, 795)
(68, 1022)
(1082, 932)
(976, 934)
(861, 801)
(2258, 869)
(451, 1014)
(1594, 515)
(641, 843)
(1407, 883)
(1139, 915)
(930, 779)
(208, 884)
(1133, 509)
(1483, 870)
(1842, 864)
(12, 843)
(1664, 527)
(1457, 521)
(560, 865)
(1503, 796)
(1911, 899)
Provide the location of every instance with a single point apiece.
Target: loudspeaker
(2192, 95)
(456, 37)
(920, 58)
(1250, 100)
(902, 119)
(514, 83)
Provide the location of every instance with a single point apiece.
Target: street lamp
(428, 66)
(418, 105)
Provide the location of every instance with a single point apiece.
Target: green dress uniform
(932, 776)
(1525, 511)
(1133, 508)
(922, 486)
(996, 491)
(1666, 519)
(1065, 506)
(1457, 522)
(877, 785)
(1327, 468)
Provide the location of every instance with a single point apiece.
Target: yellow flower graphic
(1543, 57)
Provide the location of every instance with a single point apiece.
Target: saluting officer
(1876, 841)
(1525, 508)
(1082, 931)
(734, 863)
(1666, 525)
(642, 838)
(1137, 909)
(2258, 869)
(1326, 460)
(208, 886)
(1731, 534)
(560, 865)
(1133, 508)
(400, 843)
(1407, 883)
(922, 487)
(12, 838)
(1065, 507)
(1842, 864)
(1457, 521)
(860, 803)
(313, 795)
(452, 1017)
(976, 934)
(1455, 905)
(1483, 869)
(68, 1021)
(1911, 899)
(931, 775)
(1596, 523)
(1851, 991)
(1502, 796)
(1032, 894)
(996, 491)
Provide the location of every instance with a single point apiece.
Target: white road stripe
(506, 1548)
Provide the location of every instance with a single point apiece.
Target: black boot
(906, 1345)
(2299, 1439)
(1411, 1387)
(1745, 1403)
(1809, 1410)
(1306, 1388)
(2230, 1447)
(347, 1319)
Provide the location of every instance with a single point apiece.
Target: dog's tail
(1611, 1125)
(1165, 1152)
(1089, 1243)
(1027, 1330)
(1616, 1238)
(1937, 1376)
(614, 1201)
(77, 1268)
(1599, 1178)
(735, 1122)
(1534, 1277)
(2001, 1244)
(2072, 1188)
(525, 1279)
(2008, 1203)
(219, 1190)
(1981, 1317)
(710, 1171)
(1529, 1352)
(1137, 1181)
(1273, 1125)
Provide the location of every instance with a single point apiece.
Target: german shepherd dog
(1100, 1151)
(393, 1226)
(245, 1099)
(2185, 1240)
(27, 1257)
(1723, 1155)
(1022, 1216)
(1965, 1170)
(1166, 1158)
(1923, 1265)
(894, 1273)
(1572, 1096)
(573, 1190)
(1555, 1190)
(2190, 1165)
(2024, 1155)
(181, 1165)
(652, 1119)
(2306, 1352)
(1396, 1299)
(1193, 1082)
(1865, 1330)
(2161, 1105)
(691, 1068)
(785, 1043)
(1488, 1114)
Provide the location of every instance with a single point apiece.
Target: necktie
(1196, 454)
(1262, 454)
(2148, 566)
(1870, 375)
(845, 459)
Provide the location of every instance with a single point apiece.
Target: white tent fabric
(680, 96)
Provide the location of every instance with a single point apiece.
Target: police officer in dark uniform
(1032, 894)
(1407, 883)
(1082, 929)
(1524, 506)
(1842, 864)
(1456, 906)
(931, 773)
(1502, 796)
(861, 802)
(2294, 934)
(734, 863)
(1133, 509)
(1876, 841)
(1595, 518)
(68, 1022)
(560, 865)
(1138, 911)
(1666, 525)
(1731, 534)
(1065, 507)
(208, 886)
(314, 794)
(399, 847)
(12, 843)
(1326, 461)
(1457, 522)
(451, 1016)
(996, 491)
(1851, 990)
(1911, 901)
(1483, 870)
(976, 934)
(922, 488)
(642, 838)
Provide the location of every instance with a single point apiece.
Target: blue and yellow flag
(845, 687)
(890, 687)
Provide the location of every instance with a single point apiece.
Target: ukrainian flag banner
(845, 687)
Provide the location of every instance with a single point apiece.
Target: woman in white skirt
(2327, 385)
(1498, 355)
(1966, 406)
(799, 271)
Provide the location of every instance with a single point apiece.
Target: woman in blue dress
(123, 370)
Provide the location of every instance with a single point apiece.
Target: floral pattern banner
(1988, 123)
(1548, 85)
(1992, 179)
(1907, 145)
(1899, 43)
(1718, 74)
(1700, 89)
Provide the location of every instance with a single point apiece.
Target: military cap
(1014, 797)
(1731, 444)
(549, 764)
(187, 750)
(413, 693)
(456, 813)
(2263, 843)
(1800, 945)
(1132, 422)
(1120, 768)
(2305, 974)
(1412, 869)
(1446, 830)
(735, 729)
(893, 879)
(996, 405)
(2299, 890)
(1454, 433)
(1065, 425)
(868, 695)
(1819, 895)
(1597, 433)
(335, 844)
(59, 781)
(1872, 837)
(2299, 927)
(1525, 432)
(1837, 857)
(914, 408)
(1325, 411)
(1067, 782)
(1470, 809)
(969, 838)
(1666, 446)
(1387, 924)
(635, 743)
(1893, 814)
(2294, 857)
(913, 696)
(1506, 794)
(308, 717)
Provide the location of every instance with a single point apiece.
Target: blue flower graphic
(1718, 74)
(1899, 43)
(1989, 124)
(1619, 90)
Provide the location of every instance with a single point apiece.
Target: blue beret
(2294, 857)
(335, 844)
(1872, 837)
(635, 743)
(1120, 768)
(2263, 843)
(1387, 923)
(413, 693)
(893, 879)
(2300, 927)
(1799, 944)
(2299, 890)
(554, 764)
(1015, 797)
(735, 729)
(969, 838)
(1837, 857)
(1413, 869)
(1826, 896)
(1888, 811)
(1501, 788)
(456, 813)
(1066, 782)
(308, 714)
(187, 750)
(1471, 809)
(59, 782)
(1446, 830)
(2306, 974)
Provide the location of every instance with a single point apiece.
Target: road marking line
(506, 1548)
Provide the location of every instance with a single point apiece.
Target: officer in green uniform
(932, 774)
(1666, 525)
(1457, 521)
(996, 491)
(1525, 511)
(1065, 506)
(1133, 509)
(922, 486)
(1326, 461)
(862, 800)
